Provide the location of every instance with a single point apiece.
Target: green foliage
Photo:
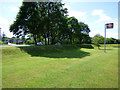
(48, 20)
(30, 41)
(97, 40)
(39, 18)
(112, 41)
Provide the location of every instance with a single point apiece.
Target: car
(58, 44)
(40, 43)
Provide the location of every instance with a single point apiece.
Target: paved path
(14, 45)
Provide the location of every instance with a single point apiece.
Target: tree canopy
(48, 20)
(98, 39)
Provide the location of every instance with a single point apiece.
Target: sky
(95, 14)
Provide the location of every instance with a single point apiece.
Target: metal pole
(105, 40)
(0, 35)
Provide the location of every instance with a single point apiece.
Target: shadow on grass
(53, 51)
(116, 46)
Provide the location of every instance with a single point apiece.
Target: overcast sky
(95, 14)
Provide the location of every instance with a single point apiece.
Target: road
(14, 45)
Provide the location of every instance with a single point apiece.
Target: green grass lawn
(59, 67)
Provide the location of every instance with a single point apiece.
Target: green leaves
(98, 39)
(48, 20)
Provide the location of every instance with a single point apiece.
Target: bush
(29, 42)
(97, 40)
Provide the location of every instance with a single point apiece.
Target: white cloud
(90, 0)
(4, 21)
(11, 1)
(4, 25)
(78, 14)
(15, 9)
(93, 33)
(5, 29)
(102, 15)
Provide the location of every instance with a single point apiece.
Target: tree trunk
(39, 38)
(70, 39)
(73, 41)
(52, 38)
(45, 41)
(48, 40)
(80, 40)
(48, 27)
(34, 36)
(53, 41)
(98, 46)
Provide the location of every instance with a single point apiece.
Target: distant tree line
(48, 22)
(100, 39)
(97, 39)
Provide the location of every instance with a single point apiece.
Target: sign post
(107, 26)
(105, 40)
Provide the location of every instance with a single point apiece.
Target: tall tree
(48, 20)
(82, 32)
(39, 19)
(27, 20)
(56, 14)
(72, 27)
(97, 40)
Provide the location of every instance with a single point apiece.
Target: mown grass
(64, 66)
(0, 68)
